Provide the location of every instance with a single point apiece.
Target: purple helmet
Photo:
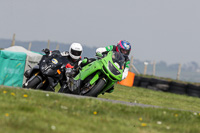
(124, 47)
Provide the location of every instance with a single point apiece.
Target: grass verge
(36, 111)
(150, 97)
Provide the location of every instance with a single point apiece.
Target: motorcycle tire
(96, 89)
(33, 83)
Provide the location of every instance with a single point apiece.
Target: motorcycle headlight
(113, 69)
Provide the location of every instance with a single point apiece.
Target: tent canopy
(14, 61)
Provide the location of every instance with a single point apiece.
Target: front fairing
(31, 71)
(50, 66)
(114, 71)
(89, 69)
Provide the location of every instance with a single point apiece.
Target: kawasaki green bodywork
(100, 69)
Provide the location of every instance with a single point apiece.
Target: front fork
(36, 75)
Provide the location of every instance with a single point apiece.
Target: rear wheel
(32, 82)
(95, 89)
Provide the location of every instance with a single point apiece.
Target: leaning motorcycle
(48, 73)
(98, 76)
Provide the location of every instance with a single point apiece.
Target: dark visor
(124, 51)
(76, 53)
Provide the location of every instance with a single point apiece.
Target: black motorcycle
(48, 73)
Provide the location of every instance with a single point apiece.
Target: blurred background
(164, 33)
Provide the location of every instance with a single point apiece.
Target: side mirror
(46, 51)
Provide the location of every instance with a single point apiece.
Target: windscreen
(118, 58)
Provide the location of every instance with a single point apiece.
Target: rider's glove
(98, 54)
(65, 53)
(68, 70)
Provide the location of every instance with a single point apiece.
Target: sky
(166, 30)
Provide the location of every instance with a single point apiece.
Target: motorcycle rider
(73, 55)
(74, 58)
(124, 47)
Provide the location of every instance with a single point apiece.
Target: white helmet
(75, 50)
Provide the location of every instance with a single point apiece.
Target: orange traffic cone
(128, 81)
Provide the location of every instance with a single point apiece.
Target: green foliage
(37, 111)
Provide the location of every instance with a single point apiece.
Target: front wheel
(96, 89)
(32, 82)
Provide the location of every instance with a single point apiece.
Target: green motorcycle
(98, 76)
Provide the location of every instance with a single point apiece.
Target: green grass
(52, 112)
(158, 98)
